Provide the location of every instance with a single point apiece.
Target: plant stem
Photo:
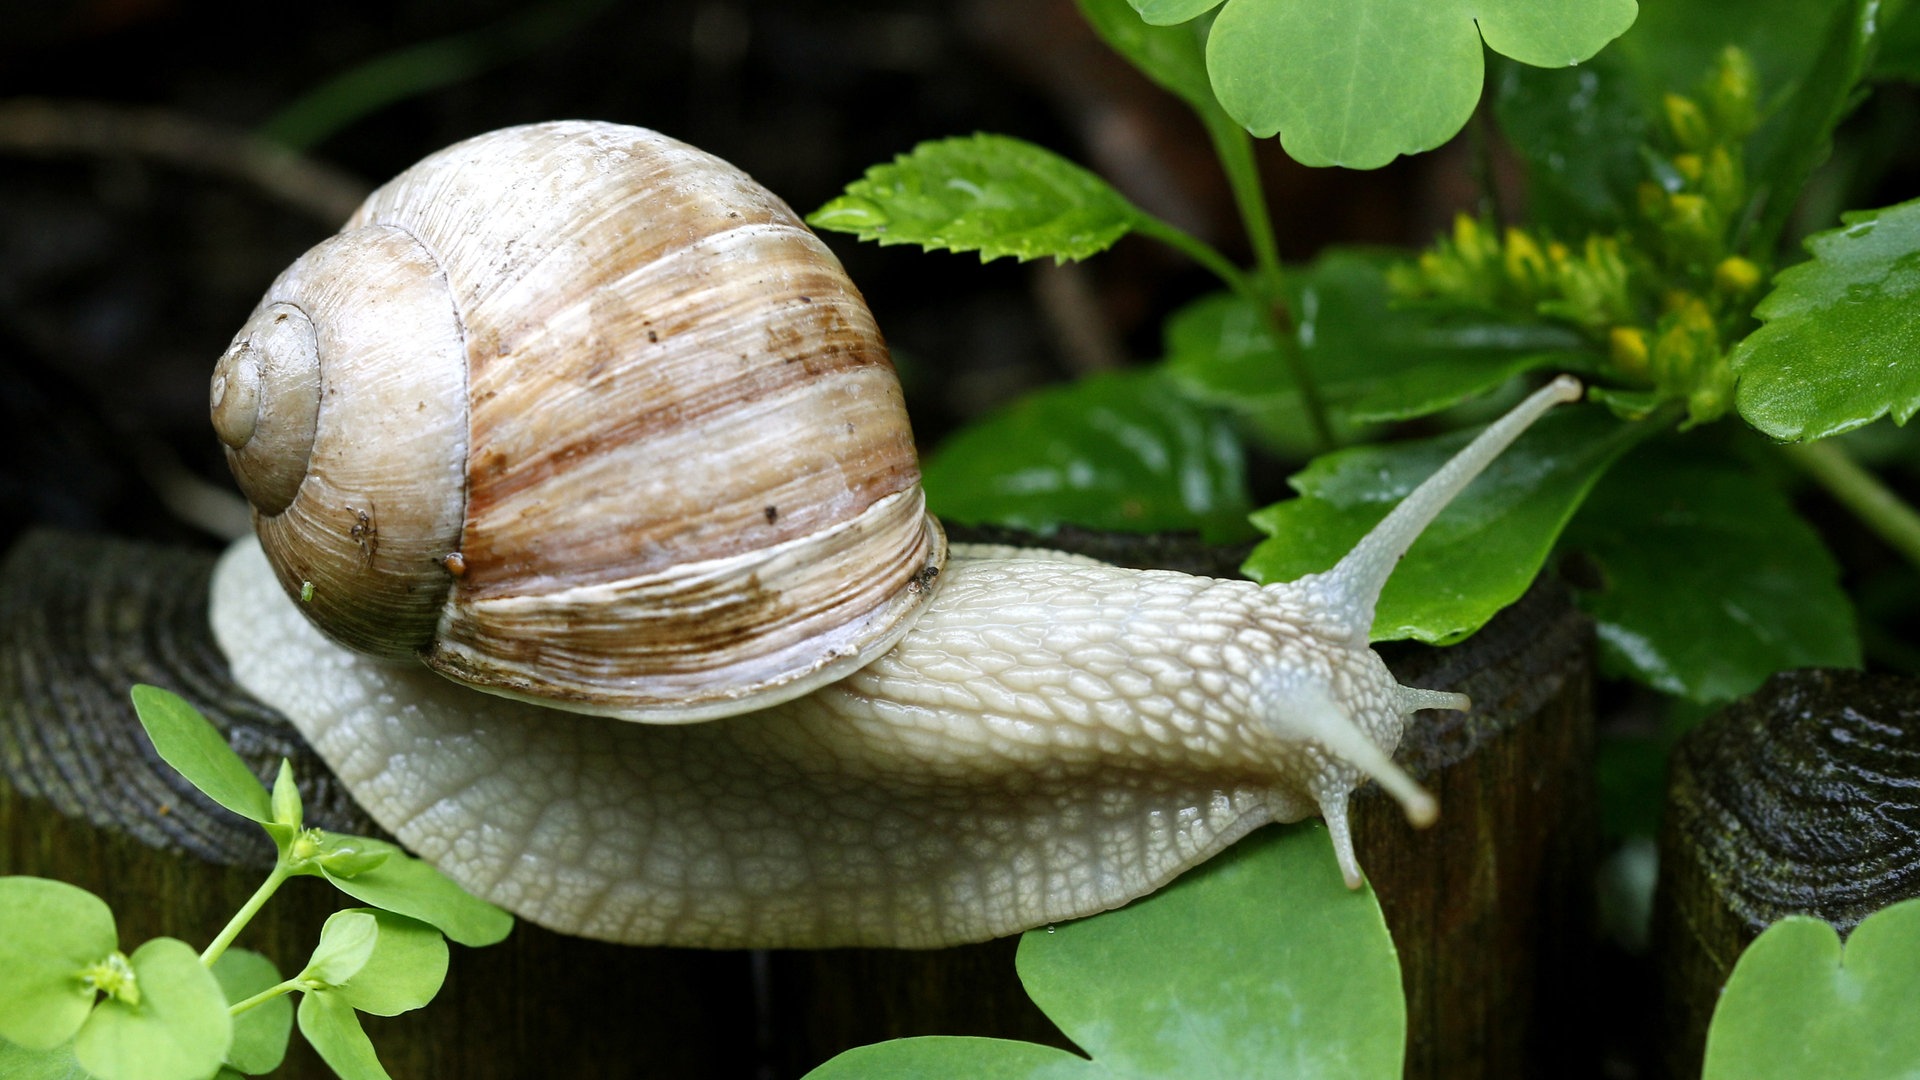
(1877, 507)
(1193, 248)
(1234, 147)
(263, 996)
(246, 913)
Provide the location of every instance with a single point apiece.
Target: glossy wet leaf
(333, 1029)
(197, 751)
(49, 933)
(179, 1030)
(1259, 963)
(1799, 1005)
(260, 1034)
(1841, 344)
(405, 970)
(1484, 549)
(1711, 581)
(1360, 82)
(1580, 131)
(987, 193)
(1371, 359)
(410, 887)
(1117, 451)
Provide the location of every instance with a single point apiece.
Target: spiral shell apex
(578, 413)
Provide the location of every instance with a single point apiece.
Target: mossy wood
(1488, 908)
(1797, 799)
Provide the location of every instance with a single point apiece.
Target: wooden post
(1798, 799)
(1488, 908)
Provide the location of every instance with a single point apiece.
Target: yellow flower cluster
(1662, 298)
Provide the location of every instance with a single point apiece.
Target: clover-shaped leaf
(1841, 344)
(1798, 1005)
(1259, 963)
(1359, 82)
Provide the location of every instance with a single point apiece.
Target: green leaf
(1842, 336)
(260, 1034)
(407, 886)
(1580, 132)
(19, 1063)
(197, 751)
(1169, 12)
(331, 1025)
(987, 193)
(408, 964)
(178, 1030)
(1712, 581)
(1360, 82)
(1484, 549)
(1798, 1005)
(346, 943)
(1899, 54)
(1259, 963)
(51, 933)
(1117, 451)
(1371, 360)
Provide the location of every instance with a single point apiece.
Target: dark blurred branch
(76, 128)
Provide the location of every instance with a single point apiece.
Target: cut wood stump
(1799, 799)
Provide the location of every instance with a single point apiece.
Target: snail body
(1026, 737)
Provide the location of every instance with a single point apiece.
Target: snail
(590, 423)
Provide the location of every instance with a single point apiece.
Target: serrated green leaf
(1712, 582)
(1117, 451)
(1483, 550)
(1842, 333)
(1798, 1005)
(407, 886)
(346, 942)
(1259, 963)
(260, 1034)
(1362, 82)
(51, 933)
(197, 751)
(987, 193)
(19, 1063)
(179, 1029)
(1370, 360)
(408, 964)
(333, 1029)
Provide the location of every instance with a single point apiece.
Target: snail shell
(577, 413)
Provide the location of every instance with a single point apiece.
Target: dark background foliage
(122, 276)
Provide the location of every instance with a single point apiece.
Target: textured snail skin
(1053, 738)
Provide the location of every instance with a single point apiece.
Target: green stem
(1860, 491)
(1270, 306)
(246, 913)
(263, 996)
(1234, 147)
